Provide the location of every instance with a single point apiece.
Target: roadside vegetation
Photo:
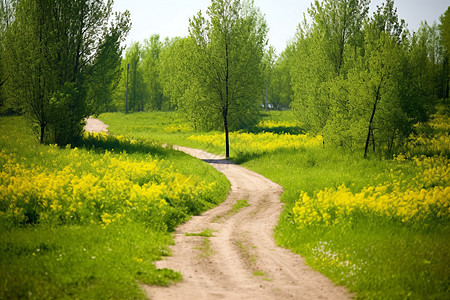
(363, 156)
(89, 222)
(379, 226)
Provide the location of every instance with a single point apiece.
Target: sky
(170, 18)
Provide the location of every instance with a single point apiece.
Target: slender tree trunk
(225, 111)
(267, 94)
(373, 141)
(370, 131)
(227, 138)
(42, 133)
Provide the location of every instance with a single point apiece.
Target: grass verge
(88, 222)
(376, 256)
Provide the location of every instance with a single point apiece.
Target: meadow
(89, 221)
(379, 226)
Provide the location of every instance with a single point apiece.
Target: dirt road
(95, 125)
(241, 260)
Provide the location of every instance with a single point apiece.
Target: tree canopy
(60, 58)
(363, 81)
(226, 66)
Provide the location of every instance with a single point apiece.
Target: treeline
(363, 82)
(152, 82)
(145, 90)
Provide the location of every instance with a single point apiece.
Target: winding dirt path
(95, 125)
(241, 260)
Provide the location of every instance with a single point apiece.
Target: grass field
(88, 222)
(378, 226)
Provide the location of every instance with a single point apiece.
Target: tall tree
(53, 48)
(366, 104)
(151, 69)
(269, 60)
(320, 49)
(229, 47)
(444, 29)
(6, 18)
(106, 69)
(179, 81)
(280, 90)
(136, 88)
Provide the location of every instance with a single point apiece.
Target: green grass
(259, 273)
(239, 205)
(375, 258)
(159, 126)
(80, 260)
(205, 248)
(205, 233)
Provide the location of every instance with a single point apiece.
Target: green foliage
(58, 54)
(227, 65)
(152, 64)
(239, 205)
(320, 52)
(363, 82)
(136, 87)
(280, 90)
(445, 41)
(145, 78)
(6, 17)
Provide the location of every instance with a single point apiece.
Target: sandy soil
(241, 260)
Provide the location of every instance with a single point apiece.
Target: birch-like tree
(229, 46)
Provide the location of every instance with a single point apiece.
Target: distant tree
(137, 91)
(229, 47)
(280, 89)
(136, 88)
(444, 29)
(269, 60)
(420, 83)
(151, 69)
(179, 81)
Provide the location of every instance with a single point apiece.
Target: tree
(444, 29)
(269, 59)
(319, 56)
(229, 47)
(136, 88)
(54, 50)
(151, 65)
(106, 68)
(6, 18)
(280, 90)
(366, 104)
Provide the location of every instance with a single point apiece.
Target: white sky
(170, 18)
